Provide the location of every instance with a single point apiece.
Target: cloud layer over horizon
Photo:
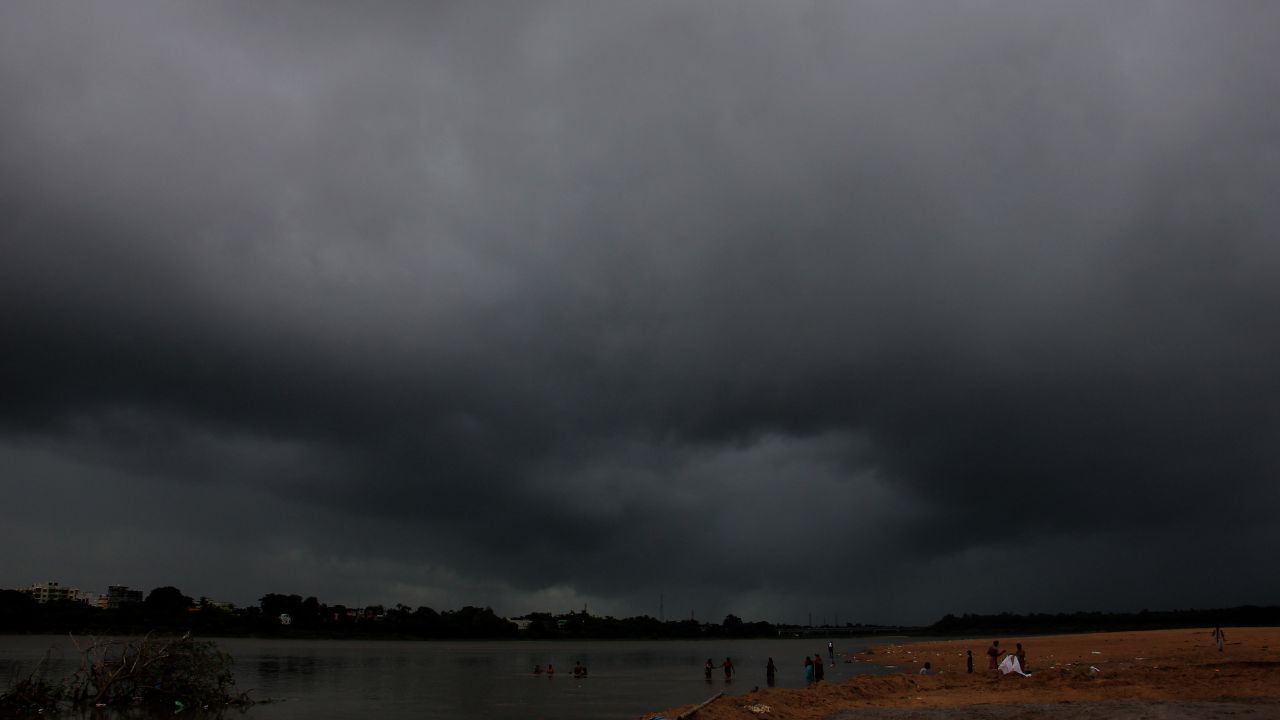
(876, 312)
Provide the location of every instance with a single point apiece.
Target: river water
(394, 680)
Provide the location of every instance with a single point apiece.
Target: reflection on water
(456, 680)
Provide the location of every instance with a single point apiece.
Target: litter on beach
(1011, 665)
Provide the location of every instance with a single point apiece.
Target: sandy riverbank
(1163, 673)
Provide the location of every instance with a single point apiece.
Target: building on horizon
(47, 592)
(118, 595)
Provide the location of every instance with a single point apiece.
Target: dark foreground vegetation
(167, 675)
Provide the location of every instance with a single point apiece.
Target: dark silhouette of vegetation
(167, 675)
(1041, 623)
(167, 603)
(167, 610)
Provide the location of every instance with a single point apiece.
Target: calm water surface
(461, 680)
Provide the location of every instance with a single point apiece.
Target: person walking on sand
(993, 654)
(818, 672)
(968, 661)
(1219, 637)
(1022, 658)
(771, 673)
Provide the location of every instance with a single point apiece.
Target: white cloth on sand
(1010, 664)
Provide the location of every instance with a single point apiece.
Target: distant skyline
(881, 310)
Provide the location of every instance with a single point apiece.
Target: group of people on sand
(579, 670)
(993, 657)
(994, 653)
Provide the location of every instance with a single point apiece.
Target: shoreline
(1180, 671)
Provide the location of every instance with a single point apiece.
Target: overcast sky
(874, 311)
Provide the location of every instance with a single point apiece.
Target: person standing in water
(831, 652)
(770, 673)
(817, 667)
(808, 670)
(708, 668)
(728, 670)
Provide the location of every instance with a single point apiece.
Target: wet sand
(1158, 674)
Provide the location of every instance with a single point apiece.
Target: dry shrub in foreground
(170, 672)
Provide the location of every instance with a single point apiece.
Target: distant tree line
(585, 626)
(167, 609)
(1042, 623)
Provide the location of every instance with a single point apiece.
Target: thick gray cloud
(876, 311)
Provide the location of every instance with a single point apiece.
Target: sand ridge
(1169, 668)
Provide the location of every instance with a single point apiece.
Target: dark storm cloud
(772, 309)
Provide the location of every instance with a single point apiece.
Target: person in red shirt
(993, 654)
